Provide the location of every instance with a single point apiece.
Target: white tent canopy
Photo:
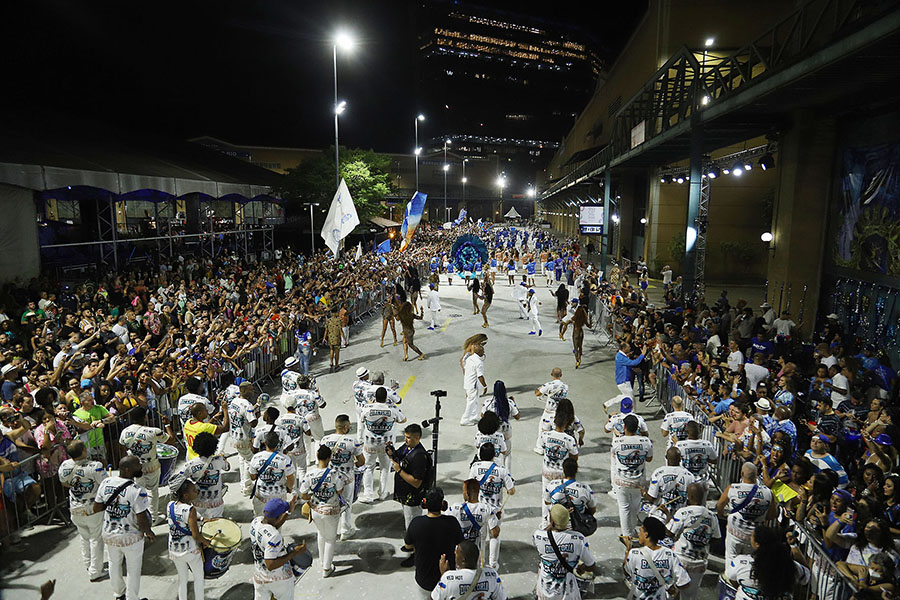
(513, 214)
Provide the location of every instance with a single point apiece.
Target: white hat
(289, 400)
(6, 369)
(362, 372)
(765, 305)
(764, 405)
(832, 316)
(290, 362)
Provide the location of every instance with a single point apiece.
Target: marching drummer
(185, 541)
(243, 419)
(198, 423)
(139, 440)
(82, 476)
(270, 418)
(272, 572)
(322, 489)
(186, 401)
(272, 473)
(295, 430)
(206, 472)
(309, 401)
(362, 387)
(346, 453)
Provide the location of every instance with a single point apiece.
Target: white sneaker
(348, 534)
(367, 499)
(327, 572)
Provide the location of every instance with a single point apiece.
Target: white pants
(544, 424)
(89, 529)
(626, 389)
(318, 432)
(193, 562)
(629, 499)
(346, 331)
(472, 412)
(150, 482)
(612, 473)
(434, 313)
(369, 476)
(535, 323)
(210, 512)
(734, 547)
(423, 593)
(133, 557)
(327, 526)
(299, 461)
(346, 523)
(410, 513)
(245, 455)
(696, 572)
(493, 552)
(282, 589)
(522, 313)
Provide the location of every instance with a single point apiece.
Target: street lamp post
(343, 40)
(446, 168)
(417, 150)
(312, 228)
(464, 180)
(501, 183)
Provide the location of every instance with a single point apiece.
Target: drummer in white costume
(82, 477)
(206, 472)
(140, 440)
(379, 418)
(477, 520)
(322, 488)
(362, 388)
(243, 417)
(186, 401)
(296, 432)
(272, 572)
(272, 473)
(551, 392)
(309, 401)
(346, 457)
(185, 541)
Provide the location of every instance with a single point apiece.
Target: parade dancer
(433, 302)
(553, 391)
(520, 293)
(532, 311)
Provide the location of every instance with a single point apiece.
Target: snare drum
(167, 455)
(357, 481)
(726, 590)
(224, 537)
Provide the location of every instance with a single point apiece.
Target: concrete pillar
(799, 224)
(689, 265)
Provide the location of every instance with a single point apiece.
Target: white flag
(341, 219)
(358, 250)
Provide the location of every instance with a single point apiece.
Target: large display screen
(590, 219)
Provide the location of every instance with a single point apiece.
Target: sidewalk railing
(25, 507)
(827, 582)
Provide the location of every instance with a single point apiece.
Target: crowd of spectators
(818, 421)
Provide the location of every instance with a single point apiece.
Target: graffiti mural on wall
(868, 237)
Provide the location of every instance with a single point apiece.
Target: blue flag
(384, 247)
(460, 218)
(414, 210)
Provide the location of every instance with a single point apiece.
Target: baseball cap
(275, 507)
(290, 401)
(843, 494)
(765, 305)
(823, 438)
(362, 372)
(626, 405)
(290, 362)
(86, 384)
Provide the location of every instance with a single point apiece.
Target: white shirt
(492, 484)
(378, 419)
(630, 454)
(643, 578)
(141, 442)
(344, 450)
(308, 404)
(434, 300)
(839, 381)
(496, 439)
(456, 584)
(241, 414)
(181, 541)
(740, 570)
(697, 525)
(695, 457)
(120, 525)
(295, 428)
(742, 523)
(266, 542)
(271, 482)
(326, 499)
(668, 484)
(210, 488)
(783, 326)
(555, 582)
(186, 401)
(674, 423)
(570, 493)
(557, 446)
(122, 332)
(667, 276)
(361, 391)
(484, 516)
(83, 477)
(259, 436)
(474, 368)
(553, 391)
(755, 374)
(490, 404)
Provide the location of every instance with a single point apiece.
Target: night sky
(250, 72)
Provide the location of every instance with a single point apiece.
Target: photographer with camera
(412, 466)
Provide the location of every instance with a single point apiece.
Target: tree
(365, 172)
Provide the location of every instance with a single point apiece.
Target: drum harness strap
(562, 560)
(471, 518)
(175, 522)
(746, 501)
(115, 494)
(260, 472)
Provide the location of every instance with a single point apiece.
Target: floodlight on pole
(340, 108)
(345, 41)
(709, 42)
(418, 149)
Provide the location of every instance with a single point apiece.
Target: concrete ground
(368, 565)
